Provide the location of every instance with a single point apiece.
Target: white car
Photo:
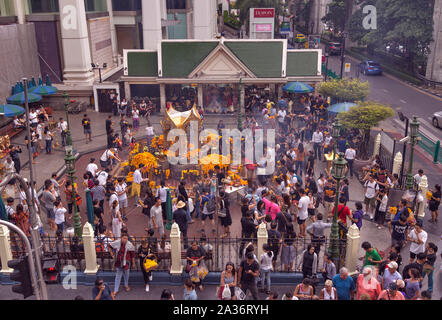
(437, 119)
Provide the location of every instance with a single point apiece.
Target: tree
(345, 90)
(364, 117)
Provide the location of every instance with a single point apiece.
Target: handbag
(226, 293)
(239, 294)
(222, 213)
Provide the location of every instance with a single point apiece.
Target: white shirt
(102, 177)
(415, 247)
(92, 168)
(106, 155)
(281, 115)
(371, 189)
(327, 140)
(59, 215)
(303, 206)
(320, 184)
(383, 206)
(317, 137)
(417, 178)
(350, 154)
(135, 114)
(63, 126)
(112, 198)
(137, 177)
(120, 188)
(162, 194)
(33, 117)
(266, 261)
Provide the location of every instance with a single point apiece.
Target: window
(95, 5)
(127, 5)
(176, 4)
(7, 8)
(43, 6)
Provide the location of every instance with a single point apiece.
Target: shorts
(311, 212)
(205, 216)
(301, 221)
(370, 202)
(50, 213)
(123, 203)
(87, 131)
(105, 164)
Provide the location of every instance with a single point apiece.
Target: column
(262, 238)
(5, 249)
(377, 145)
(75, 42)
(423, 187)
(20, 11)
(351, 256)
(200, 95)
(202, 15)
(90, 254)
(113, 32)
(152, 35)
(163, 100)
(175, 253)
(397, 163)
(127, 93)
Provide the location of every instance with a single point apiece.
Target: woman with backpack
(266, 260)
(224, 213)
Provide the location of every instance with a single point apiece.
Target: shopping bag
(226, 295)
(194, 277)
(202, 272)
(239, 294)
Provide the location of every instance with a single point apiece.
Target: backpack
(211, 205)
(99, 245)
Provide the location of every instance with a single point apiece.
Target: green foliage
(345, 90)
(365, 116)
(231, 20)
(336, 14)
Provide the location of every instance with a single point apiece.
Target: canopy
(19, 98)
(297, 87)
(341, 107)
(44, 90)
(10, 110)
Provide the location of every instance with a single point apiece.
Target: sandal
(127, 288)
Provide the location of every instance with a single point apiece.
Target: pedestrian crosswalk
(425, 127)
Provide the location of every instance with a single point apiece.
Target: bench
(10, 131)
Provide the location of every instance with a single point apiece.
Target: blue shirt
(343, 287)
(190, 295)
(105, 295)
(342, 145)
(358, 215)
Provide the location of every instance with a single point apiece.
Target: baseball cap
(392, 264)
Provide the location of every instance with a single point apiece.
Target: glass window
(43, 6)
(128, 5)
(176, 4)
(6, 8)
(95, 5)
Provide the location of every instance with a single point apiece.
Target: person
(102, 291)
(421, 258)
(367, 284)
(328, 198)
(343, 211)
(22, 220)
(284, 219)
(391, 274)
(98, 217)
(92, 167)
(108, 124)
(391, 293)
(412, 286)
(329, 268)
(350, 155)
(86, 123)
(224, 206)
(372, 256)
(272, 296)
(381, 208)
(274, 241)
(57, 185)
(162, 194)
(229, 277)
(125, 259)
(49, 136)
(316, 230)
(271, 206)
(433, 204)
(344, 285)
(14, 154)
(59, 215)
(166, 294)
(357, 215)
(302, 215)
(179, 216)
(47, 201)
(428, 269)
(189, 290)
(209, 206)
(317, 140)
(121, 190)
(289, 296)
(328, 292)
(288, 249)
(136, 184)
(194, 255)
(417, 237)
(399, 231)
(371, 190)
(117, 221)
(147, 250)
(266, 260)
(157, 217)
(107, 157)
(98, 193)
(10, 210)
(418, 177)
(309, 262)
(304, 291)
(248, 271)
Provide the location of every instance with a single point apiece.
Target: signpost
(347, 67)
(262, 23)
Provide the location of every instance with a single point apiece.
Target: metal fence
(433, 148)
(219, 251)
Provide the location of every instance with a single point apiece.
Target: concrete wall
(18, 56)
(101, 41)
(434, 64)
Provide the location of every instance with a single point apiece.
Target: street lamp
(338, 171)
(96, 66)
(336, 133)
(414, 134)
(70, 169)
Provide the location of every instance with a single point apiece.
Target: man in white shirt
(102, 177)
(302, 211)
(350, 155)
(62, 127)
(381, 211)
(106, 158)
(150, 133)
(136, 185)
(371, 190)
(92, 167)
(157, 217)
(418, 238)
(33, 117)
(162, 194)
(418, 177)
(317, 140)
(113, 197)
(121, 190)
(281, 118)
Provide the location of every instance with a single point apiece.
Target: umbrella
(297, 87)
(89, 207)
(19, 98)
(10, 110)
(44, 90)
(169, 213)
(341, 107)
(48, 81)
(3, 213)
